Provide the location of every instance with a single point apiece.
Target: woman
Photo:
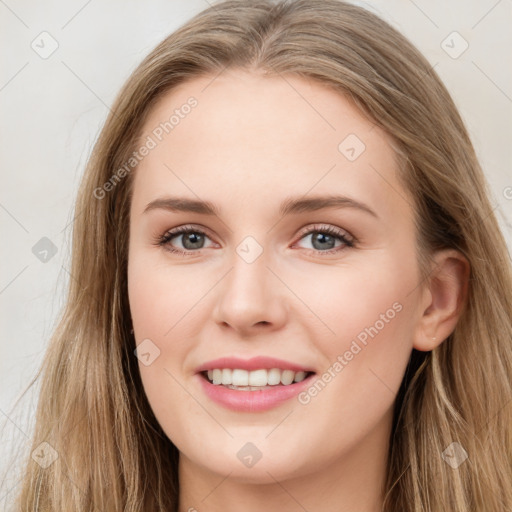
(290, 290)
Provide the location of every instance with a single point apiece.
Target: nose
(250, 298)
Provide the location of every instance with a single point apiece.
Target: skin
(251, 142)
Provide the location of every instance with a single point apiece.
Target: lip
(252, 401)
(255, 363)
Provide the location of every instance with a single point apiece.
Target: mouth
(253, 390)
(254, 380)
(252, 385)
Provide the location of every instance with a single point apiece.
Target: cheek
(365, 334)
(156, 306)
(348, 301)
(168, 313)
(159, 295)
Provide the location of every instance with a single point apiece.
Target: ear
(444, 296)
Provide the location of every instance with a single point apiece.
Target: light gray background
(53, 108)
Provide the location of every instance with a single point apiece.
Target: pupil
(323, 238)
(192, 241)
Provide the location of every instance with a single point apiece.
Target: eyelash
(164, 240)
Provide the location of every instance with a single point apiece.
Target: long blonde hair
(92, 411)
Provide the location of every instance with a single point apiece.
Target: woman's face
(307, 265)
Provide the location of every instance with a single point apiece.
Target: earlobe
(445, 297)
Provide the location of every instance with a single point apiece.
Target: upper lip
(255, 363)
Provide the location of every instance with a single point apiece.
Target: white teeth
(217, 376)
(299, 376)
(287, 377)
(237, 378)
(226, 376)
(258, 378)
(274, 377)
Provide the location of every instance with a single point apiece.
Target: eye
(327, 239)
(192, 239)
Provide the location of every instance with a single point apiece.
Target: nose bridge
(249, 293)
(250, 274)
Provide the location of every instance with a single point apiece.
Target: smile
(252, 385)
(237, 378)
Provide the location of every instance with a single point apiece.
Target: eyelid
(306, 230)
(347, 240)
(183, 229)
(312, 228)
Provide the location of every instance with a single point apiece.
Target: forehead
(265, 138)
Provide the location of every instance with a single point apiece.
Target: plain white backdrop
(62, 65)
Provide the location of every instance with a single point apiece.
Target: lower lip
(252, 401)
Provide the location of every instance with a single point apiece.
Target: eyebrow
(289, 205)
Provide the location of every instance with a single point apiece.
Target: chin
(245, 464)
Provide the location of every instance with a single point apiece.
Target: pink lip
(252, 401)
(255, 363)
